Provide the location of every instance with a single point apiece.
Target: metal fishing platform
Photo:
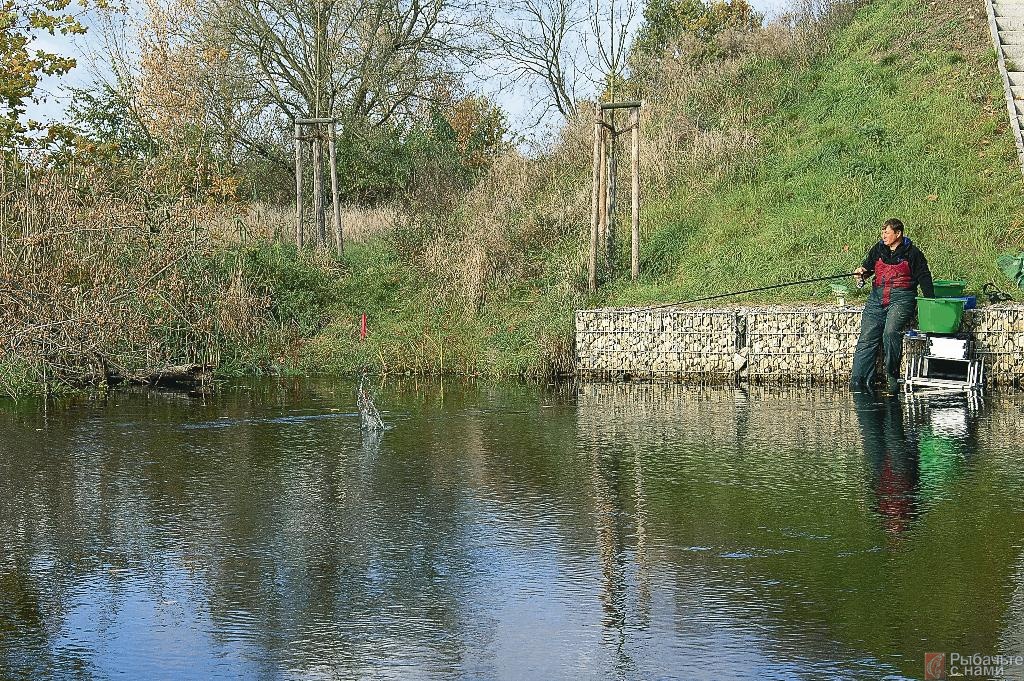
(948, 364)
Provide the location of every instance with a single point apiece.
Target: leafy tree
(480, 129)
(21, 65)
(665, 22)
(104, 117)
(426, 162)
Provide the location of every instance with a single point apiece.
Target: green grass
(409, 327)
(878, 129)
(413, 328)
(17, 379)
(901, 115)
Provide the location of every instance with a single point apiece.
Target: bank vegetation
(154, 229)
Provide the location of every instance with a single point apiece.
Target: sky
(54, 92)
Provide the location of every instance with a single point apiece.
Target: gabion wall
(766, 343)
(998, 333)
(813, 342)
(648, 343)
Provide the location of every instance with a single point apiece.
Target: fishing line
(752, 290)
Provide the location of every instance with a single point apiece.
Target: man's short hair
(895, 223)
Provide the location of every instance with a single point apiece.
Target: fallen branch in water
(184, 374)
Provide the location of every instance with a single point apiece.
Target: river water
(509, 532)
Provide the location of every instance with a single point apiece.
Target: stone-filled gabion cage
(646, 343)
(766, 344)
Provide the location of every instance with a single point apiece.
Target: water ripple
(621, 531)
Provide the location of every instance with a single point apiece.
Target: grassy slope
(904, 116)
(413, 328)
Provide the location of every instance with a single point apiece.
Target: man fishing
(898, 267)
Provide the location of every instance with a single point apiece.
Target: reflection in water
(622, 540)
(947, 441)
(892, 458)
(506, 532)
(915, 451)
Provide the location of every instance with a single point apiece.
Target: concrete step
(1008, 9)
(1009, 20)
(1014, 53)
(1010, 23)
(1011, 37)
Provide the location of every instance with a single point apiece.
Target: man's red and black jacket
(905, 268)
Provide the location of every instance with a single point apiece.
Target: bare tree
(612, 25)
(566, 49)
(360, 60)
(539, 41)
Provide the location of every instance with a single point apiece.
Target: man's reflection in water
(915, 451)
(892, 458)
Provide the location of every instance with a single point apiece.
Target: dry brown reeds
(507, 223)
(265, 221)
(97, 286)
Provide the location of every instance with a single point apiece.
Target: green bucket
(939, 315)
(949, 288)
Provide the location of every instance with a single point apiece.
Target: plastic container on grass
(949, 288)
(939, 315)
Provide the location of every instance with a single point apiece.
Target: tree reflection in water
(614, 531)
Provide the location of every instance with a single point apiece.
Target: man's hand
(858, 274)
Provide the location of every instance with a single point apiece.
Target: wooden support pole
(610, 106)
(28, 202)
(298, 186)
(595, 207)
(635, 195)
(612, 184)
(334, 190)
(318, 191)
(603, 195)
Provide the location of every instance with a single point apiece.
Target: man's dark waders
(883, 322)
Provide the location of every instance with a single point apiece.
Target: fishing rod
(753, 290)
